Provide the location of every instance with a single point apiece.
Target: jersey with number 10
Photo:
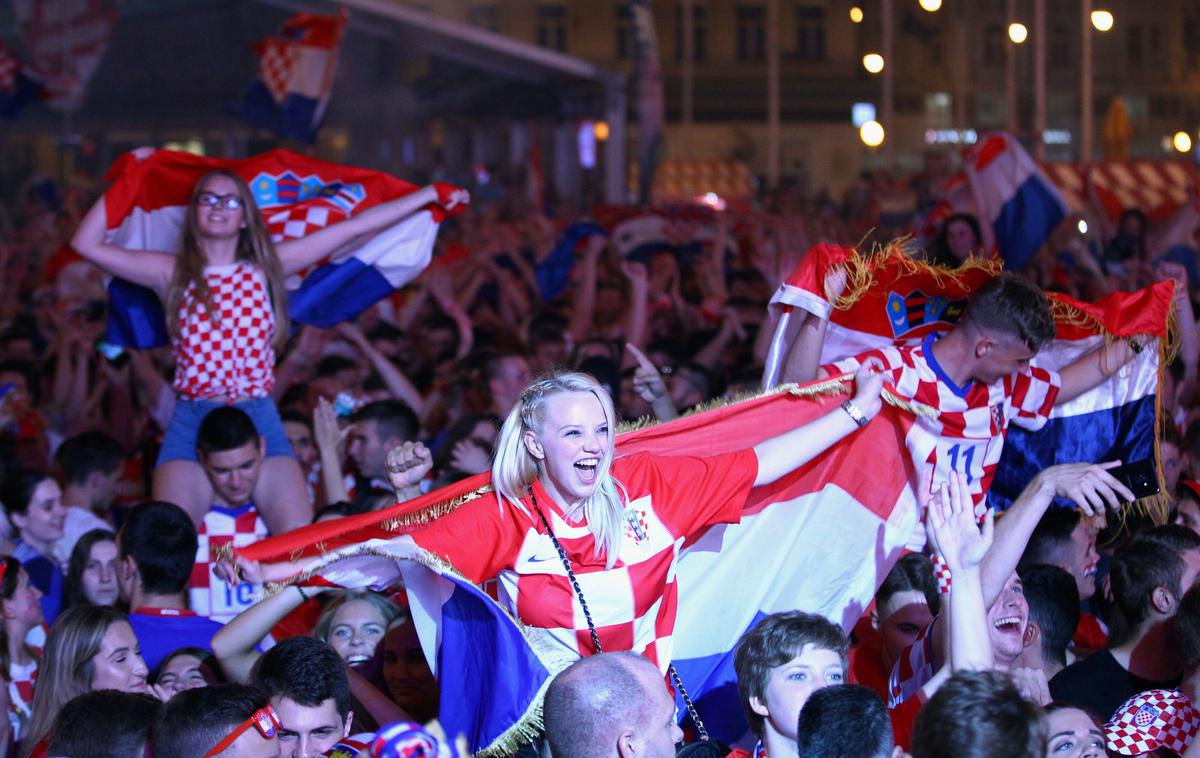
(966, 432)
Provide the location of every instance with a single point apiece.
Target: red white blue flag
(147, 205)
(295, 76)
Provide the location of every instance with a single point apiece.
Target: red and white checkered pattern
(276, 65)
(913, 668)
(633, 604)
(21, 680)
(209, 596)
(1155, 187)
(230, 356)
(296, 221)
(1152, 720)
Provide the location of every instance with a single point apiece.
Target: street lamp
(1018, 33)
(933, 6)
(873, 62)
(856, 15)
(1182, 142)
(1102, 20)
(871, 133)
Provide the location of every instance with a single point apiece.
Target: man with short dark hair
(155, 550)
(610, 705)
(1149, 577)
(1053, 616)
(506, 374)
(103, 723)
(978, 714)
(844, 721)
(231, 452)
(1064, 538)
(233, 720)
(379, 427)
(779, 664)
(91, 467)
(306, 682)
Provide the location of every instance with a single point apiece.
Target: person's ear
(1033, 633)
(262, 448)
(128, 567)
(18, 520)
(983, 346)
(627, 745)
(532, 445)
(759, 706)
(1162, 600)
(349, 723)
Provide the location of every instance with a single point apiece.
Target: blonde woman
(227, 315)
(570, 521)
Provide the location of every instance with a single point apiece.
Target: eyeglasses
(265, 720)
(228, 202)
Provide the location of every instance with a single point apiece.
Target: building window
(484, 16)
(810, 33)
(993, 45)
(1135, 46)
(1060, 47)
(623, 22)
(751, 33)
(699, 33)
(552, 26)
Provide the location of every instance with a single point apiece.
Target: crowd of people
(1064, 632)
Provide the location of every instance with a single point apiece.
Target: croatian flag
(901, 301)
(295, 76)
(147, 205)
(1003, 185)
(821, 539)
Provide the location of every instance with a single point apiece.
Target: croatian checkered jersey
(633, 604)
(208, 594)
(967, 434)
(913, 668)
(227, 352)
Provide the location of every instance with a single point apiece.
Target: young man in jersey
(306, 682)
(229, 720)
(231, 453)
(155, 551)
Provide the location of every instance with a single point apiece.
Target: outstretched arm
(790, 450)
(145, 267)
(803, 361)
(234, 643)
(1091, 369)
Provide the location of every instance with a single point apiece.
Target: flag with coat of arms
(295, 76)
(147, 206)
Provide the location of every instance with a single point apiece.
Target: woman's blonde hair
(387, 609)
(254, 245)
(515, 468)
(67, 665)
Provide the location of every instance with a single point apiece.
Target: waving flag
(821, 539)
(66, 41)
(295, 76)
(1003, 186)
(147, 205)
(895, 300)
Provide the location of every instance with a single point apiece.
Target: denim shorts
(179, 441)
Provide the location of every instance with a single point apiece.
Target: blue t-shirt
(162, 631)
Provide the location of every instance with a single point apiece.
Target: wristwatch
(854, 412)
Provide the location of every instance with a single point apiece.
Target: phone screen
(1141, 477)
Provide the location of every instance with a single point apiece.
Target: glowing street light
(1018, 33)
(930, 5)
(1102, 20)
(600, 129)
(873, 62)
(856, 15)
(1182, 142)
(871, 133)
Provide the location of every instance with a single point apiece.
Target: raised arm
(1088, 371)
(148, 268)
(803, 361)
(790, 450)
(234, 643)
(299, 254)
(396, 381)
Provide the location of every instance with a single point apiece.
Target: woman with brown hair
(18, 661)
(227, 315)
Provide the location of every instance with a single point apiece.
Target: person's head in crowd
(231, 453)
(1174, 458)
(91, 466)
(102, 724)
(505, 374)
(33, 502)
(689, 385)
(226, 720)
(959, 238)
(334, 374)
(610, 705)
(1072, 733)
(306, 683)
(379, 427)
(904, 605)
(547, 344)
(610, 303)
(90, 647)
(594, 348)
(298, 429)
(1149, 576)
(466, 449)
(978, 714)
(1186, 509)
(92, 571)
(1053, 616)
(605, 371)
(844, 721)
(406, 673)
(1064, 538)
(354, 623)
(1006, 323)
(156, 550)
(186, 669)
(1007, 621)
(779, 664)
(19, 605)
